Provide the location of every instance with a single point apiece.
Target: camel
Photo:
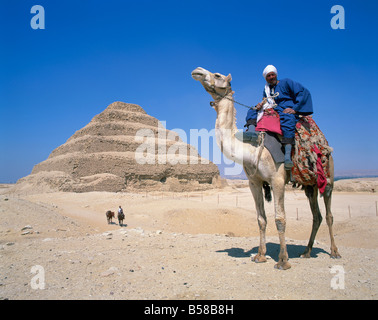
(121, 217)
(261, 170)
(109, 216)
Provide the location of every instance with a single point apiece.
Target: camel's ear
(229, 78)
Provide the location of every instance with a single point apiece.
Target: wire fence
(245, 200)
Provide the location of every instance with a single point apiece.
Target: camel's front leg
(256, 189)
(280, 218)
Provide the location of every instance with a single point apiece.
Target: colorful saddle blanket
(311, 153)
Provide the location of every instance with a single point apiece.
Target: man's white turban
(269, 69)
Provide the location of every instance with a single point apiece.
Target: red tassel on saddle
(322, 181)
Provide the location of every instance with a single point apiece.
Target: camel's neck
(226, 114)
(225, 128)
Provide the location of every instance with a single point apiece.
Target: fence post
(349, 212)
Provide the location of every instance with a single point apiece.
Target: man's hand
(289, 110)
(259, 105)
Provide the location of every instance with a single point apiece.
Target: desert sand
(183, 245)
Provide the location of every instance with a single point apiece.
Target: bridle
(211, 89)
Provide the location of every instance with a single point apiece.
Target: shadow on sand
(273, 249)
(115, 224)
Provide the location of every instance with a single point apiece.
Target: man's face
(271, 78)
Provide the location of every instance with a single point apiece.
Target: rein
(260, 142)
(261, 138)
(212, 90)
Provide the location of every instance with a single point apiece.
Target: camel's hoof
(305, 255)
(335, 255)
(282, 265)
(259, 258)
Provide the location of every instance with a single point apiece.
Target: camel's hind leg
(312, 195)
(329, 218)
(256, 189)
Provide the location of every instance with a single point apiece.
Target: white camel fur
(260, 168)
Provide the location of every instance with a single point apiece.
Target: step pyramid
(124, 148)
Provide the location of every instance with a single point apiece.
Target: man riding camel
(290, 99)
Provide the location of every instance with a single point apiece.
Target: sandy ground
(195, 245)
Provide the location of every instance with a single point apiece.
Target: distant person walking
(121, 216)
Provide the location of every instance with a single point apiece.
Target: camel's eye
(217, 75)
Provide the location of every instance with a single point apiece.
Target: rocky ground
(179, 246)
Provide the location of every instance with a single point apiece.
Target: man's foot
(247, 136)
(250, 136)
(288, 164)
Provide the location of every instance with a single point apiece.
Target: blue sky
(92, 53)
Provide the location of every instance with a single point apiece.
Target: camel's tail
(267, 193)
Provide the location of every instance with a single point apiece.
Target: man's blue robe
(291, 95)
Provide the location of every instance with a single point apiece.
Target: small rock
(74, 261)
(159, 232)
(26, 232)
(26, 228)
(138, 230)
(109, 272)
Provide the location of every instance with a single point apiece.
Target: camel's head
(216, 84)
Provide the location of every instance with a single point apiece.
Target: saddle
(310, 154)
